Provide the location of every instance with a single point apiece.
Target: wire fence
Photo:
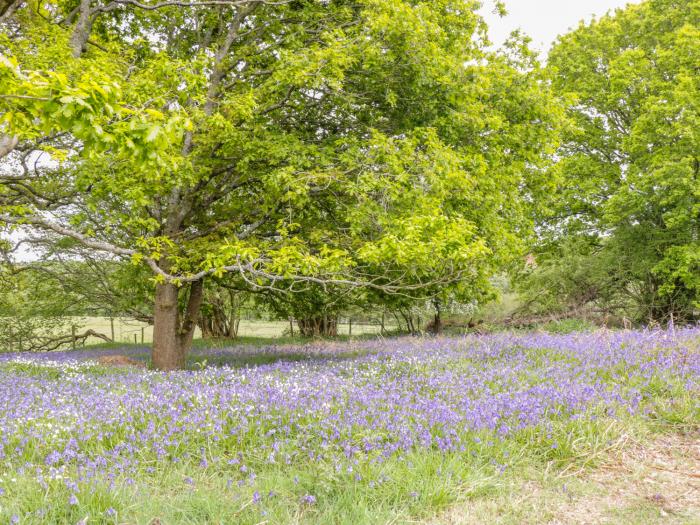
(122, 330)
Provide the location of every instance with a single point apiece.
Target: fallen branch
(48, 344)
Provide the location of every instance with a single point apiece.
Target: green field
(131, 331)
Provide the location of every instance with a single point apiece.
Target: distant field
(125, 330)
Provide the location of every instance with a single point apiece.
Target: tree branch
(249, 271)
(81, 31)
(46, 224)
(182, 3)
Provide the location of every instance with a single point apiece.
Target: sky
(544, 20)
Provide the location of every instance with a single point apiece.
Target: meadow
(365, 431)
(132, 331)
(338, 165)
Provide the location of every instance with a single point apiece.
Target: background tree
(223, 305)
(630, 164)
(315, 308)
(376, 143)
(38, 312)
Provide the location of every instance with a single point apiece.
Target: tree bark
(221, 317)
(172, 336)
(435, 326)
(189, 321)
(7, 8)
(166, 353)
(318, 326)
(81, 31)
(7, 144)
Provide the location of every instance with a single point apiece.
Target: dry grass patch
(655, 482)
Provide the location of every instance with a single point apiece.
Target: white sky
(544, 20)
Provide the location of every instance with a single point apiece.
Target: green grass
(254, 330)
(198, 356)
(437, 482)
(414, 487)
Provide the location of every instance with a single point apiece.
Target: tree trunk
(233, 328)
(221, 318)
(189, 321)
(411, 323)
(7, 8)
(7, 144)
(172, 337)
(435, 326)
(318, 326)
(206, 327)
(81, 31)
(167, 354)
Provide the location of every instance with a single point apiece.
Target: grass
(247, 349)
(519, 478)
(125, 330)
(640, 481)
(441, 487)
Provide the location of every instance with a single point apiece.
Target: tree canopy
(630, 170)
(296, 143)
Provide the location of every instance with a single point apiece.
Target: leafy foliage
(630, 166)
(378, 144)
(30, 317)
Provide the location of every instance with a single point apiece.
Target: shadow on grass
(256, 351)
(247, 351)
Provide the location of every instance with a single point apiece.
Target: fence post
(142, 334)
(291, 327)
(350, 326)
(135, 339)
(111, 325)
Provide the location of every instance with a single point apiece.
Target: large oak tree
(295, 143)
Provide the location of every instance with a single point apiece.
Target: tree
(294, 143)
(630, 162)
(35, 314)
(315, 308)
(222, 305)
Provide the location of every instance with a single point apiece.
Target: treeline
(40, 301)
(175, 162)
(622, 239)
